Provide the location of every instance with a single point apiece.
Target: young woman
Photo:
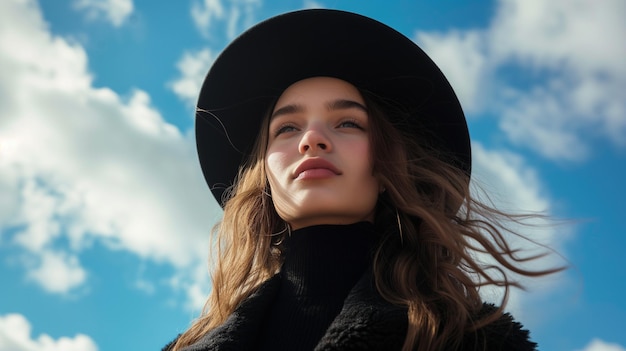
(341, 157)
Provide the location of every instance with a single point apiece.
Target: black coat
(366, 322)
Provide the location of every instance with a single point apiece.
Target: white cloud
(571, 56)
(236, 15)
(193, 67)
(514, 186)
(57, 272)
(232, 22)
(461, 57)
(505, 175)
(114, 11)
(38, 210)
(205, 12)
(599, 345)
(213, 18)
(311, 4)
(544, 121)
(194, 286)
(15, 335)
(84, 164)
(249, 9)
(222, 18)
(584, 34)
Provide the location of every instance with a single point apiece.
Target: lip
(315, 164)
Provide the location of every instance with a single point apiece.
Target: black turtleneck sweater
(322, 263)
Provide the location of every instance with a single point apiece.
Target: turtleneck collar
(322, 264)
(324, 260)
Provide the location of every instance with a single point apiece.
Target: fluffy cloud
(81, 164)
(461, 56)
(509, 181)
(577, 33)
(572, 55)
(599, 345)
(114, 11)
(57, 272)
(205, 12)
(15, 335)
(235, 14)
(193, 67)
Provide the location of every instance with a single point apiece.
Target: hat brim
(252, 72)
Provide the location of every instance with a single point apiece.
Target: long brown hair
(424, 261)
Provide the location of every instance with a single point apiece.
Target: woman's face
(318, 155)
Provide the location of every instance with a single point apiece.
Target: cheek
(366, 164)
(275, 162)
(364, 158)
(276, 166)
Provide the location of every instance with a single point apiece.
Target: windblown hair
(430, 226)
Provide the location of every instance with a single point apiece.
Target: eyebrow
(340, 104)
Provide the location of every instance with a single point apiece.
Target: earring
(399, 227)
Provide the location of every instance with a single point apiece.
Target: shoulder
(505, 333)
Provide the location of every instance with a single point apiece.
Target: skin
(321, 119)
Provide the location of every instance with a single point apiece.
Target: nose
(314, 140)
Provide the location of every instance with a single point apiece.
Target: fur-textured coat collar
(366, 322)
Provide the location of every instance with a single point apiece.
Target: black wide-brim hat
(252, 72)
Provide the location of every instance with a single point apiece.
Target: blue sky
(105, 217)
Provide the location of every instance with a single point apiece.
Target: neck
(327, 259)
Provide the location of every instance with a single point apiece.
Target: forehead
(318, 89)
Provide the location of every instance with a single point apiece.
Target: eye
(284, 128)
(351, 123)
